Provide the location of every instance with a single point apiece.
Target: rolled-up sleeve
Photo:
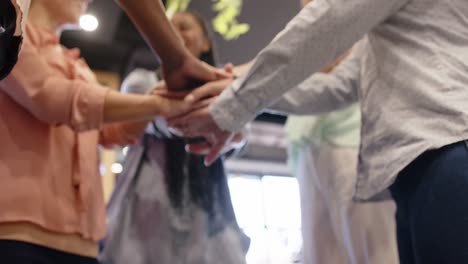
(317, 36)
(325, 92)
(50, 96)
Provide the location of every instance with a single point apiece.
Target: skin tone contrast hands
(190, 74)
(199, 122)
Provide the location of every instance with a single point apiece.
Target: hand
(204, 148)
(161, 90)
(200, 97)
(217, 143)
(199, 123)
(170, 108)
(191, 73)
(207, 90)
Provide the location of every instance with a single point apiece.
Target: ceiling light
(89, 22)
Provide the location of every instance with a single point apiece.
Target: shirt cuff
(88, 110)
(229, 113)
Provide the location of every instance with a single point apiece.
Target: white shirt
(413, 81)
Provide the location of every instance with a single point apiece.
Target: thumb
(201, 71)
(217, 149)
(229, 68)
(207, 90)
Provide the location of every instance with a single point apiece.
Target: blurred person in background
(323, 154)
(168, 207)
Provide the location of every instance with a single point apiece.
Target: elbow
(48, 111)
(54, 116)
(73, 110)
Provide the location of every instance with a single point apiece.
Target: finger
(188, 132)
(184, 119)
(207, 90)
(204, 103)
(186, 126)
(170, 95)
(199, 148)
(222, 74)
(176, 108)
(229, 68)
(202, 71)
(238, 137)
(217, 148)
(160, 86)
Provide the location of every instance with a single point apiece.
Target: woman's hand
(161, 90)
(190, 74)
(208, 90)
(171, 108)
(204, 148)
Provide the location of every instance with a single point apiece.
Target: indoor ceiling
(116, 45)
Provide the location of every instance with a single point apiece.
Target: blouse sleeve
(50, 96)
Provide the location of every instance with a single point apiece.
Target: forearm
(129, 107)
(322, 32)
(150, 19)
(318, 94)
(325, 92)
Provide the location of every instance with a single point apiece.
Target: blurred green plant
(225, 23)
(173, 6)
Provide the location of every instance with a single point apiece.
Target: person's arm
(181, 69)
(317, 36)
(150, 18)
(120, 107)
(325, 92)
(139, 81)
(56, 100)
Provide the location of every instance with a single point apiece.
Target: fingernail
(190, 98)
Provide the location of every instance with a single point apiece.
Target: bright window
(268, 211)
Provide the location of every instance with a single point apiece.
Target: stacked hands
(187, 110)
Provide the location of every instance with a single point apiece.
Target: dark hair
(207, 186)
(210, 55)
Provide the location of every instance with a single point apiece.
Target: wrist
(155, 105)
(178, 60)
